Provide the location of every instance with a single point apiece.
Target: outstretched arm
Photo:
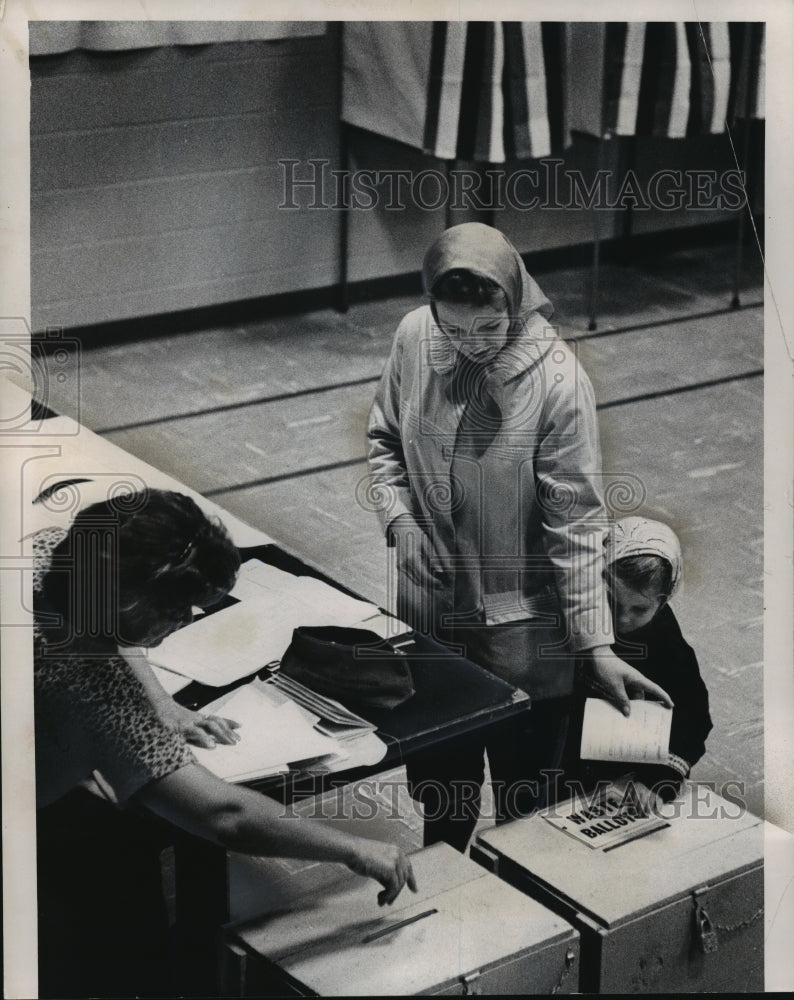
(242, 820)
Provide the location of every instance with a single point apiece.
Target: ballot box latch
(707, 934)
(707, 930)
(570, 958)
(471, 984)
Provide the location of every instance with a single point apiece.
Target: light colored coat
(506, 484)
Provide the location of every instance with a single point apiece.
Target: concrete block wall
(156, 182)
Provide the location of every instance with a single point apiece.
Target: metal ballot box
(672, 905)
(465, 931)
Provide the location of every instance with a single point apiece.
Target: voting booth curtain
(498, 91)
(487, 91)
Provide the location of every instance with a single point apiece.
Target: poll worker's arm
(199, 729)
(241, 820)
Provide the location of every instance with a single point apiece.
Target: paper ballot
(643, 737)
(274, 732)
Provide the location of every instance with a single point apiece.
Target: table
(455, 699)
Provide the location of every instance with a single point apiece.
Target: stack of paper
(239, 640)
(357, 736)
(642, 737)
(274, 732)
(334, 719)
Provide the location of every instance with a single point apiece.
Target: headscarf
(473, 246)
(639, 536)
(482, 249)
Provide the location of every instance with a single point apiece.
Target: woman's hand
(385, 863)
(620, 682)
(199, 729)
(414, 551)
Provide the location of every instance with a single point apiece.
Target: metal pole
(595, 270)
(741, 222)
(342, 290)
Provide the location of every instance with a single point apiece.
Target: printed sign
(601, 825)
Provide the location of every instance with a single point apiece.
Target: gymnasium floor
(268, 419)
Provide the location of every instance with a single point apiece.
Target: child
(643, 571)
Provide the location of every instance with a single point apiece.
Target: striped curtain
(499, 91)
(664, 79)
(748, 55)
(482, 91)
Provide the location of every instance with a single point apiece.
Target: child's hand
(620, 682)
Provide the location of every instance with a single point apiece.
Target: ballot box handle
(396, 926)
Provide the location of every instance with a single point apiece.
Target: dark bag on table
(349, 664)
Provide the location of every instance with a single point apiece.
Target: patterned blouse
(92, 713)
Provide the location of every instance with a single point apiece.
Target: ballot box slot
(368, 938)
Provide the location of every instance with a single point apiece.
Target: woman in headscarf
(484, 458)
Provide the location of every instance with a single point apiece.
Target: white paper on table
(386, 626)
(170, 681)
(344, 609)
(363, 751)
(256, 577)
(642, 737)
(274, 732)
(241, 639)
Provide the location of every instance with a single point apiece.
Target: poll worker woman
(127, 573)
(485, 467)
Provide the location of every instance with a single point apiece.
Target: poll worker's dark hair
(469, 288)
(645, 573)
(155, 548)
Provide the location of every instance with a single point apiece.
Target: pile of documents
(273, 731)
(334, 719)
(277, 730)
(220, 648)
(282, 723)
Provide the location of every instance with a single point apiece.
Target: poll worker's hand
(631, 794)
(414, 551)
(386, 864)
(620, 682)
(199, 729)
